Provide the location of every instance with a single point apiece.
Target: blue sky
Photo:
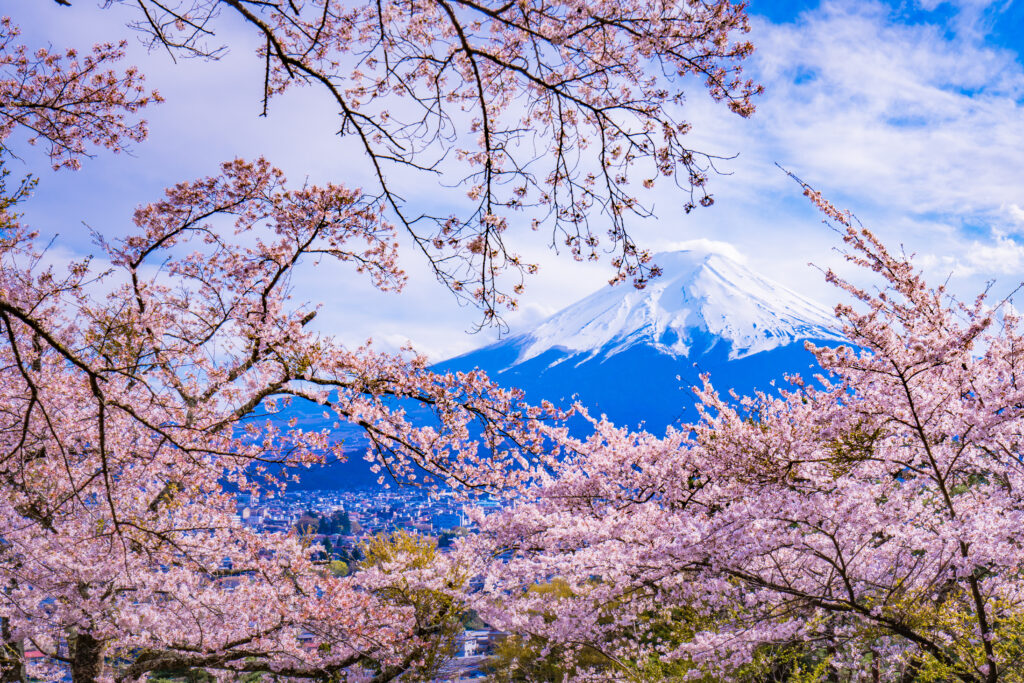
(910, 113)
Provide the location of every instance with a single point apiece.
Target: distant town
(355, 513)
(341, 520)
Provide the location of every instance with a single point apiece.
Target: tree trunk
(911, 670)
(831, 671)
(12, 655)
(86, 658)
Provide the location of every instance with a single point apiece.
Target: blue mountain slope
(642, 386)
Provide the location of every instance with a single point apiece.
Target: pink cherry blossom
(68, 101)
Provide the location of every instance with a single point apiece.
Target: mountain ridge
(706, 313)
(698, 290)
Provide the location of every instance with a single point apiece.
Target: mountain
(634, 354)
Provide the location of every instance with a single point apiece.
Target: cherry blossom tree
(554, 112)
(862, 526)
(125, 414)
(68, 101)
(119, 539)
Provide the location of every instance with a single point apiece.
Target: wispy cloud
(917, 127)
(895, 115)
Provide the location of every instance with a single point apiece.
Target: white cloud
(894, 115)
(1003, 256)
(972, 18)
(704, 244)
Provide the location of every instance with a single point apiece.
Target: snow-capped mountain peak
(702, 299)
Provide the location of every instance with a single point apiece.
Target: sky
(910, 113)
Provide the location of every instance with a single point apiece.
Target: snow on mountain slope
(700, 294)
